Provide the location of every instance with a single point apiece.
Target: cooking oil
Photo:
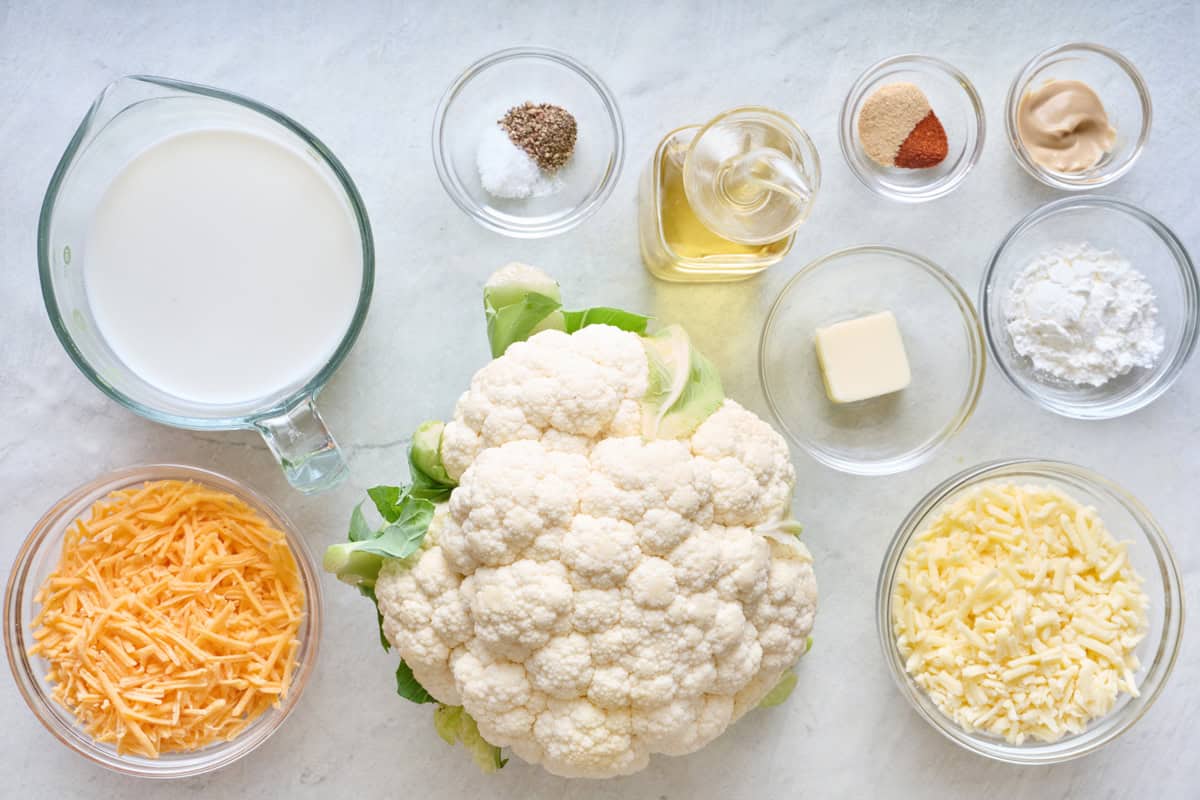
(721, 202)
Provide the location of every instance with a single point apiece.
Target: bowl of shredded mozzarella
(1031, 611)
(1090, 307)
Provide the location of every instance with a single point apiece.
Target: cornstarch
(1083, 315)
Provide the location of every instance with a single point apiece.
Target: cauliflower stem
(406, 511)
(783, 689)
(781, 692)
(358, 561)
(429, 478)
(455, 725)
(520, 301)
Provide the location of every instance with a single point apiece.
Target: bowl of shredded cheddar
(162, 620)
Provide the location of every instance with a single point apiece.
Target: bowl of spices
(162, 621)
(1077, 116)
(912, 127)
(1030, 611)
(528, 142)
(1090, 307)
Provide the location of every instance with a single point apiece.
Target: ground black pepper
(544, 131)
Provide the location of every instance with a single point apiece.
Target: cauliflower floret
(519, 607)
(590, 597)
(499, 690)
(585, 741)
(684, 726)
(588, 384)
(630, 478)
(424, 617)
(751, 473)
(512, 499)
(563, 667)
(600, 551)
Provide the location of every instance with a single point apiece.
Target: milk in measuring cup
(223, 267)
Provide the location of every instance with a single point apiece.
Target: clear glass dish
(1151, 556)
(1120, 87)
(1150, 247)
(942, 338)
(37, 558)
(483, 93)
(956, 104)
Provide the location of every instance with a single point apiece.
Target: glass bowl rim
(453, 187)
(353, 199)
(48, 530)
(977, 350)
(847, 135)
(989, 294)
(1016, 89)
(1170, 641)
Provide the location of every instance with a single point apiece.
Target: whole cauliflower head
(589, 596)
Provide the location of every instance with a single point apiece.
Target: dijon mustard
(1064, 127)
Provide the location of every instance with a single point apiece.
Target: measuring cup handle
(304, 447)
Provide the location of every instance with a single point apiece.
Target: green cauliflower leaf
(454, 725)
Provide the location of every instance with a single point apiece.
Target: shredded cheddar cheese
(171, 619)
(1018, 613)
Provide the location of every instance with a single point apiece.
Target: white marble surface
(365, 78)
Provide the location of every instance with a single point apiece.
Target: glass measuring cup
(130, 115)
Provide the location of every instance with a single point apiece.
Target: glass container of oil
(722, 201)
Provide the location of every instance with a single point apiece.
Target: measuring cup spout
(116, 97)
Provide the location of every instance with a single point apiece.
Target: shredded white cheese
(1019, 613)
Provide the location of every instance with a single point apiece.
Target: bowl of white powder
(1090, 307)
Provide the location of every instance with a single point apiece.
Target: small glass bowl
(1149, 553)
(38, 557)
(956, 104)
(942, 338)
(1150, 247)
(482, 94)
(1120, 88)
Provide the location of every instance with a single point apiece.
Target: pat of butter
(862, 358)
